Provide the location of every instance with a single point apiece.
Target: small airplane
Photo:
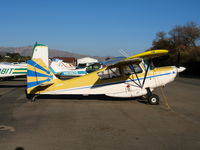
(134, 76)
(61, 69)
(9, 70)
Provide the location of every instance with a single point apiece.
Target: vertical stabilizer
(41, 51)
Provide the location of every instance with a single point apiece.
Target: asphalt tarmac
(100, 123)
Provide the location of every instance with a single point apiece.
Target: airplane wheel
(33, 99)
(153, 99)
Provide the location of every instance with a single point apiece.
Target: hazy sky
(95, 27)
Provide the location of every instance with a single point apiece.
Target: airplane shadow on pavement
(12, 86)
(19, 148)
(81, 97)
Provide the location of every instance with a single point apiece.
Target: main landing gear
(153, 99)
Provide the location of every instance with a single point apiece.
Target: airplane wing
(150, 54)
(112, 61)
(126, 61)
(138, 57)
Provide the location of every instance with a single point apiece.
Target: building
(86, 60)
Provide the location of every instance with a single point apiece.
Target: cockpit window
(150, 63)
(93, 67)
(131, 69)
(109, 73)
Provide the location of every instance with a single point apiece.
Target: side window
(109, 73)
(150, 63)
(129, 69)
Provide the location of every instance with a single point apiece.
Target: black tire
(33, 99)
(153, 99)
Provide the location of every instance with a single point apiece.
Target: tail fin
(38, 74)
(41, 51)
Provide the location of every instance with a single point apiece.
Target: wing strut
(145, 75)
(146, 71)
(132, 68)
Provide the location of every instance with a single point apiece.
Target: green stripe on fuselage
(20, 69)
(19, 72)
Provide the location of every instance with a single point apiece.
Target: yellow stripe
(36, 69)
(19, 71)
(162, 69)
(33, 79)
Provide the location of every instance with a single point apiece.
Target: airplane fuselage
(11, 70)
(119, 85)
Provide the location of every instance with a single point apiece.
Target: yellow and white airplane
(131, 77)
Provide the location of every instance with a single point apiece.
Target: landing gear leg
(153, 99)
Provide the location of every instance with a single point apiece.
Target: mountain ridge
(27, 51)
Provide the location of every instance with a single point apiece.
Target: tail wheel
(33, 99)
(153, 99)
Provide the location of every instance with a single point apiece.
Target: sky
(92, 27)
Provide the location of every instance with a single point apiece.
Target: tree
(161, 41)
(186, 35)
(181, 39)
(14, 57)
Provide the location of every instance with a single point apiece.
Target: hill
(27, 51)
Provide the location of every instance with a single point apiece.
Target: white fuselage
(12, 70)
(65, 69)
